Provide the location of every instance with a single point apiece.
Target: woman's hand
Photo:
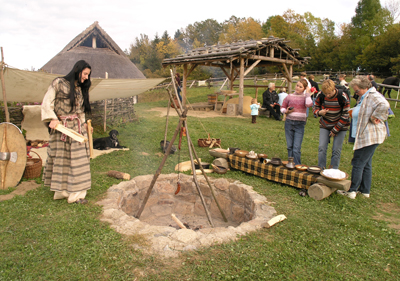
(87, 129)
(375, 120)
(54, 123)
(322, 112)
(289, 110)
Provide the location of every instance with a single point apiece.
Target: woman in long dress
(66, 101)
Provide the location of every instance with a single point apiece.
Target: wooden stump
(319, 191)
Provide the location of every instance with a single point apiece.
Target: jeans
(324, 139)
(361, 174)
(275, 111)
(294, 132)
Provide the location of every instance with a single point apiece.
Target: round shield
(12, 155)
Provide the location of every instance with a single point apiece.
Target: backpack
(344, 90)
(341, 99)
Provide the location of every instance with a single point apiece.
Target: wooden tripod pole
(195, 177)
(3, 86)
(177, 130)
(166, 127)
(205, 175)
(176, 91)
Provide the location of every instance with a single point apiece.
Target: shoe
(366, 195)
(391, 116)
(351, 194)
(81, 201)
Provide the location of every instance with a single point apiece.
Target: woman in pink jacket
(295, 106)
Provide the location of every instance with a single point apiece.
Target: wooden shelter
(96, 47)
(239, 58)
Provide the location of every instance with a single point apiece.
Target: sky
(34, 31)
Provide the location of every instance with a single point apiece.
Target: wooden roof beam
(272, 59)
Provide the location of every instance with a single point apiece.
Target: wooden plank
(71, 133)
(241, 88)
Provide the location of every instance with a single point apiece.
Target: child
(295, 105)
(254, 110)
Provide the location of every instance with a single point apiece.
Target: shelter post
(184, 82)
(3, 86)
(290, 78)
(241, 86)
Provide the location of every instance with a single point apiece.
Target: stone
(184, 208)
(187, 187)
(199, 208)
(184, 235)
(161, 209)
(189, 248)
(225, 205)
(237, 193)
(237, 213)
(205, 190)
(221, 184)
(164, 188)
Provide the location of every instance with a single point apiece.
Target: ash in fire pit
(245, 210)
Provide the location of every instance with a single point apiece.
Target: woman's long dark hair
(75, 75)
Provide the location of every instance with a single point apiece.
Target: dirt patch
(195, 113)
(22, 188)
(390, 213)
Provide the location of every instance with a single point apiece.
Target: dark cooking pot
(203, 164)
(233, 149)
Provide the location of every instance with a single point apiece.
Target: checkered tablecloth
(280, 174)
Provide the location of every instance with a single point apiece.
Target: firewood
(178, 222)
(119, 175)
(274, 221)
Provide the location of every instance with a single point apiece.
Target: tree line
(369, 43)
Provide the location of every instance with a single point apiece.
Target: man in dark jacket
(270, 102)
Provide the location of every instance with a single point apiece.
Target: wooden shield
(12, 155)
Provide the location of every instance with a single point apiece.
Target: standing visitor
(294, 106)
(369, 131)
(333, 107)
(254, 110)
(66, 101)
(282, 95)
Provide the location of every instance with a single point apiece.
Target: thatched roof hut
(96, 47)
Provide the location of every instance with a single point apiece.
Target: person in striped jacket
(332, 105)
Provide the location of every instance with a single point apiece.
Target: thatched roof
(96, 47)
(271, 50)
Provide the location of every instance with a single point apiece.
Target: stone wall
(119, 110)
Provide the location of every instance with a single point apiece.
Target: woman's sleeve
(285, 104)
(47, 108)
(309, 102)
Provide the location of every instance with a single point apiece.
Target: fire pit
(245, 210)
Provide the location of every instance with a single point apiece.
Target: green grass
(333, 239)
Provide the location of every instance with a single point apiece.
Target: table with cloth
(281, 174)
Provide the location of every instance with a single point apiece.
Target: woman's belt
(65, 119)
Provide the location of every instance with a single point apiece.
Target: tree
(206, 32)
(241, 29)
(380, 56)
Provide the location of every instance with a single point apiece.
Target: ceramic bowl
(314, 169)
(220, 169)
(276, 161)
(241, 153)
(261, 155)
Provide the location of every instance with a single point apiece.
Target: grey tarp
(30, 86)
